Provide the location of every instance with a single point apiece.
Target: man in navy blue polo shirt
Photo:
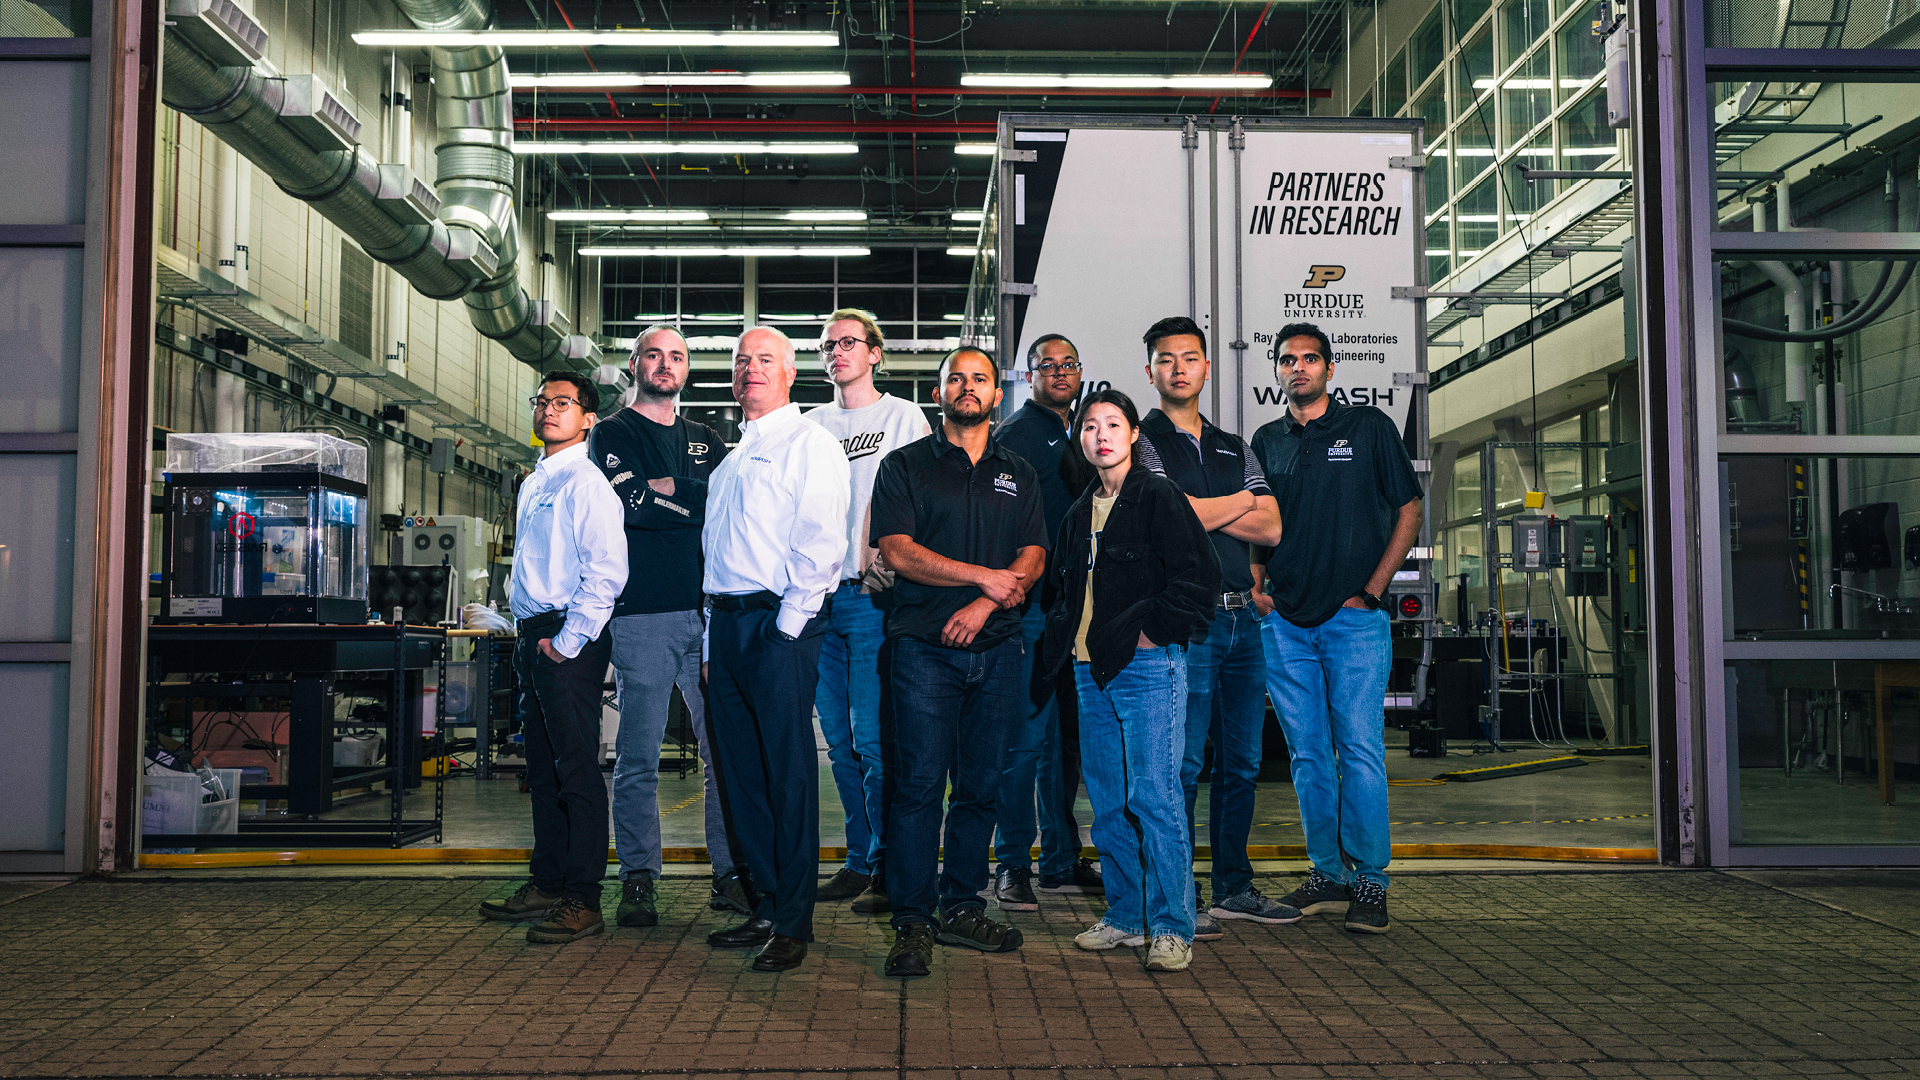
(1043, 751)
(1352, 505)
(1226, 702)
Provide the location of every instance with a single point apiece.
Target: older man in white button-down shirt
(775, 536)
(569, 565)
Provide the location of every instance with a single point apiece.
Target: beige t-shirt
(1100, 508)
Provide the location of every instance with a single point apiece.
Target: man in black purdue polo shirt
(1226, 702)
(1351, 501)
(958, 517)
(658, 463)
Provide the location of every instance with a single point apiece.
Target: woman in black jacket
(1137, 582)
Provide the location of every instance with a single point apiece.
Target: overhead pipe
(651, 124)
(926, 91)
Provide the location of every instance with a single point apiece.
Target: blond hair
(865, 318)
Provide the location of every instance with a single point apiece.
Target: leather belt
(1234, 601)
(759, 601)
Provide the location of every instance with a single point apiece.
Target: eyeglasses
(1048, 367)
(831, 345)
(557, 404)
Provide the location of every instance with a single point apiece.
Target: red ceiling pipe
(871, 127)
(934, 91)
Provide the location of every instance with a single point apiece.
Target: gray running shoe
(1204, 928)
(1253, 907)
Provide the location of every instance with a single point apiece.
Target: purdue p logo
(1319, 277)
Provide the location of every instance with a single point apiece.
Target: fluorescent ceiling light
(969, 215)
(1242, 81)
(720, 252)
(627, 215)
(1589, 151)
(611, 146)
(983, 149)
(825, 215)
(967, 251)
(600, 80)
(633, 39)
(1530, 84)
(953, 318)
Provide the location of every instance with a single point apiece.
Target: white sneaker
(1101, 936)
(1169, 953)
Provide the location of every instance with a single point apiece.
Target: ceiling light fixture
(1240, 81)
(969, 252)
(825, 215)
(632, 39)
(605, 80)
(981, 149)
(627, 215)
(717, 252)
(969, 215)
(611, 146)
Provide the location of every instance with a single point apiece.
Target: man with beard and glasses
(658, 463)
(959, 519)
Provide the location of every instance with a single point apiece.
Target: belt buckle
(1233, 601)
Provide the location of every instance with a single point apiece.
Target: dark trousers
(560, 713)
(952, 713)
(760, 707)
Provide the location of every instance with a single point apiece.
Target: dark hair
(992, 364)
(1033, 350)
(1173, 326)
(587, 394)
(1302, 329)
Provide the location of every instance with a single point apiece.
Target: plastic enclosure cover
(266, 452)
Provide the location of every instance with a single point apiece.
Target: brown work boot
(527, 902)
(570, 920)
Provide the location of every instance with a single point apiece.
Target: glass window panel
(40, 323)
(47, 18)
(1478, 214)
(1473, 72)
(1473, 144)
(938, 267)
(794, 271)
(36, 546)
(33, 771)
(1803, 752)
(1439, 177)
(46, 112)
(889, 265)
(1521, 24)
(1581, 55)
(1363, 107)
(710, 271)
(1526, 197)
(1585, 139)
(1466, 13)
(1427, 49)
(1464, 556)
(1393, 91)
(1464, 500)
(1526, 99)
(801, 312)
(1431, 106)
(1439, 249)
(1562, 467)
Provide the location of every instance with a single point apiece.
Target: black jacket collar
(1159, 423)
(1325, 421)
(942, 446)
(1041, 413)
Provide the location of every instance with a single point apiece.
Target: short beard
(651, 393)
(953, 416)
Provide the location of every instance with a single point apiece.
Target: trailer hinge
(1190, 135)
(1409, 378)
(1016, 288)
(1410, 161)
(1237, 136)
(1019, 155)
(1237, 346)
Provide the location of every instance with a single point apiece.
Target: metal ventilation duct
(305, 139)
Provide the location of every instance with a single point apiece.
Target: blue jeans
(1034, 766)
(1227, 702)
(951, 712)
(1329, 685)
(849, 704)
(1132, 735)
(651, 654)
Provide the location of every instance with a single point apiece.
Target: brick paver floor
(1500, 975)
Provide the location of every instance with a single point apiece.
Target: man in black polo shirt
(958, 517)
(1351, 501)
(1043, 750)
(1225, 699)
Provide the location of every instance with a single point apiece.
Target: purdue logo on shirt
(1004, 483)
(1340, 451)
(860, 446)
(696, 449)
(613, 462)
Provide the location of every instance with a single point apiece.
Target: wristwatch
(1373, 602)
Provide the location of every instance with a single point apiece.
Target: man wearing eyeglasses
(774, 540)
(1043, 749)
(658, 462)
(870, 425)
(569, 565)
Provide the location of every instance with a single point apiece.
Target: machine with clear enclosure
(264, 528)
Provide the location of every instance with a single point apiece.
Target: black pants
(760, 706)
(1067, 705)
(560, 713)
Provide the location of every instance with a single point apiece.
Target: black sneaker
(970, 927)
(843, 885)
(1368, 912)
(912, 954)
(1013, 887)
(636, 902)
(874, 900)
(1320, 893)
(730, 894)
(1083, 878)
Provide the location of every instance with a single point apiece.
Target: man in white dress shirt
(569, 565)
(775, 536)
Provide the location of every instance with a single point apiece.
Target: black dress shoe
(782, 953)
(750, 934)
